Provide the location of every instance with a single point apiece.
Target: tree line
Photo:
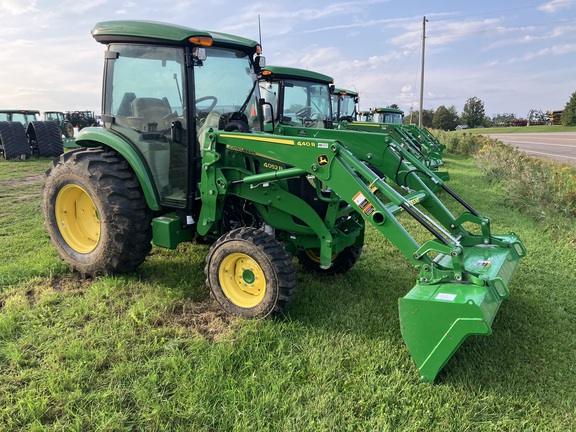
(473, 115)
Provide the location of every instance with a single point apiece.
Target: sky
(514, 56)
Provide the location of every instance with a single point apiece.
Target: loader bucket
(436, 318)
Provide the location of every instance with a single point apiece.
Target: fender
(97, 137)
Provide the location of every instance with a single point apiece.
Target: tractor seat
(152, 112)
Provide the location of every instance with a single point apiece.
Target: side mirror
(259, 63)
(199, 53)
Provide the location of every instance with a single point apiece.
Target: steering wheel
(212, 105)
(310, 121)
(303, 112)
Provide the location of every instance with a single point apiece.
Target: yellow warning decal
(265, 139)
(364, 124)
(365, 205)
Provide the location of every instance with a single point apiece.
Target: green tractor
(185, 153)
(307, 101)
(425, 140)
(22, 134)
(81, 119)
(389, 121)
(65, 126)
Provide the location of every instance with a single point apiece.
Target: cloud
(556, 50)
(556, 5)
(18, 7)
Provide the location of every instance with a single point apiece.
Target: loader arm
(462, 277)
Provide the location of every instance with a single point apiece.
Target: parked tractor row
(201, 140)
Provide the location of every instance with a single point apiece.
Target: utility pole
(424, 21)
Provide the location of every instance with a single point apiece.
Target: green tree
(569, 114)
(444, 119)
(412, 117)
(473, 112)
(503, 119)
(395, 106)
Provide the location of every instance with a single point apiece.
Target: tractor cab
(188, 81)
(23, 116)
(296, 97)
(344, 105)
(387, 115)
(365, 116)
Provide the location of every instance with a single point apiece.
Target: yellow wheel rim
(77, 218)
(314, 255)
(242, 280)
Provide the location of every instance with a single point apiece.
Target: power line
(527, 26)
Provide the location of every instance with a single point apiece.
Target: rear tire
(96, 213)
(250, 273)
(68, 131)
(341, 262)
(13, 141)
(45, 138)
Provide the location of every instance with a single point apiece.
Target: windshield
(365, 116)
(344, 107)
(388, 118)
(225, 90)
(307, 104)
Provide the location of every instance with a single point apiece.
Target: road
(558, 146)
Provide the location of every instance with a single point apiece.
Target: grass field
(149, 351)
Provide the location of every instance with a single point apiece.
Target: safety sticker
(446, 296)
(484, 263)
(360, 200)
(364, 204)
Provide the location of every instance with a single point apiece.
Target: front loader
(183, 154)
(390, 121)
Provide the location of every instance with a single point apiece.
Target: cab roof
(388, 110)
(344, 92)
(158, 32)
(283, 72)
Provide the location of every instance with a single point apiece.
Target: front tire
(250, 273)
(96, 213)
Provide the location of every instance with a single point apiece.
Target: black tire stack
(13, 141)
(45, 139)
(41, 138)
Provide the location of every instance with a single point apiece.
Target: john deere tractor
(183, 155)
(383, 120)
(422, 138)
(301, 99)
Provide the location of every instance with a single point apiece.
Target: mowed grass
(150, 351)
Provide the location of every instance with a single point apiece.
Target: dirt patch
(38, 178)
(205, 319)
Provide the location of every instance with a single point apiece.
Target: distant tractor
(81, 119)
(58, 117)
(22, 135)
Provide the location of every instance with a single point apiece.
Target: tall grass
(539, 187)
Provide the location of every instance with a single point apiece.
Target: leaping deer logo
(323, 160)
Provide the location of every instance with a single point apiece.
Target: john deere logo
(322, 160)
